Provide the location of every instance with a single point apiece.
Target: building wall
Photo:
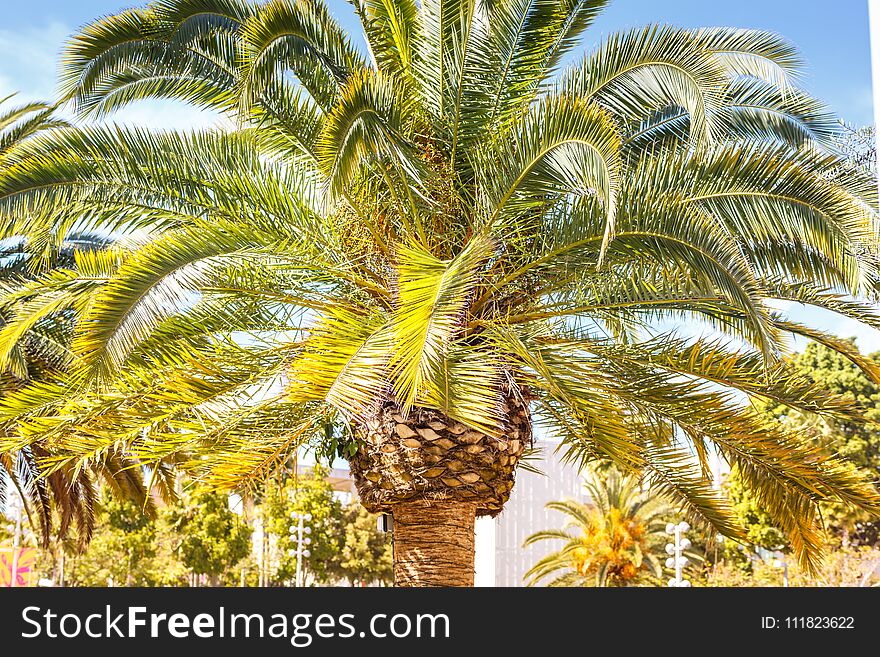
(523, 515)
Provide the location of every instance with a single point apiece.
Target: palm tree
(618, 534)
(65, 494)
(408, 257)
(19, 469)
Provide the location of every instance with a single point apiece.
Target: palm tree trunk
(434, 543)
(435, 475)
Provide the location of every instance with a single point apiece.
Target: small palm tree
(408, 256)
(617, 536)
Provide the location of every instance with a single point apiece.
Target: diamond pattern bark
(427, 456)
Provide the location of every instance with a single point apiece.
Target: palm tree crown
(446, 227)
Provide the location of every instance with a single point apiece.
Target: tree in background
(213, 539)
(346, 543)
(760, 530)
(844, 566)
(366, 556)
(304, 493)
(859, 146)
(857, 440)
(616, 539)
(121, 550)
(200, 535)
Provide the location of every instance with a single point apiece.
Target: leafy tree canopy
(308, 493)
(366, 555)
(213, 537)
(857, 440)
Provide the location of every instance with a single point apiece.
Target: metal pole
(264, 540)
(675, 550)
(16, 541)
(678, 555)
(299, 552)
(260, 564)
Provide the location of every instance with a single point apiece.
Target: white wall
(501, 559)
(484, 548)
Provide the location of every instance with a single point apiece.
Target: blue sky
(833, 38)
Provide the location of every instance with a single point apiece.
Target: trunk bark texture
(434, 544)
